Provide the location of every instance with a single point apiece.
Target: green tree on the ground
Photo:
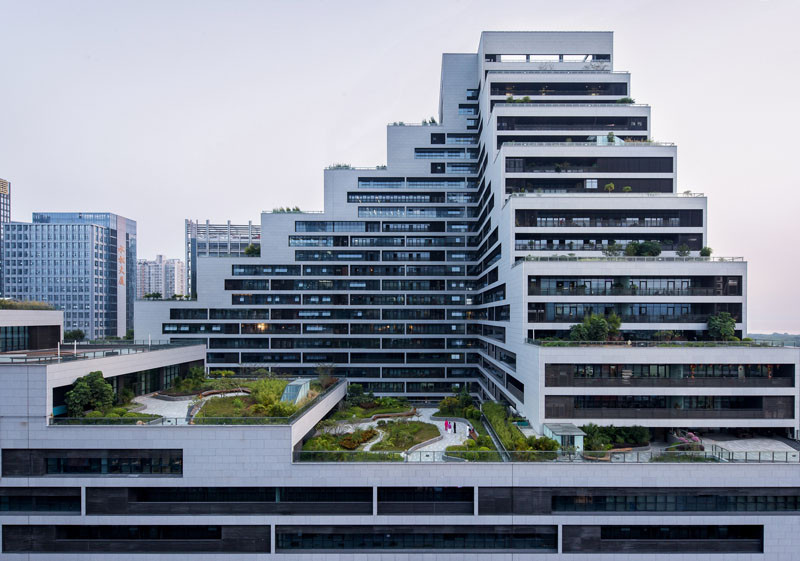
(74, 335)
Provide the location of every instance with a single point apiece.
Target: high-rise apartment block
(166, 277)
(5, 217)
(537, 201)
(81, 262)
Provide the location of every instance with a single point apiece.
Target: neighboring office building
(215, 240)
(82, 263)
(490, 230)
(164, 276)
(5, 217)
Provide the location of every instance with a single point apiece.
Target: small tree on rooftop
(609, 187)
(89, 392)
(324, 371)
(650, 248)
(627, 189)
(722, 327)
(706, 251)
(632, 249)
(614, 322)
(613, 249)
(593, 328)
(683, 250)
(252, 250)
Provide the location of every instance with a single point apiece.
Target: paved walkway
(449, 439)
(170, 410)
(433, 451)
(173, 412)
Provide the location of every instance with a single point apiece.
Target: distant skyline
(162, 111)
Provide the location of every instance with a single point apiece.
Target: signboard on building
(122, 280)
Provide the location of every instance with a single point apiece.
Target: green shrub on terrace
(509, 434)
(402, 435)
(89, 392)
(607, 437)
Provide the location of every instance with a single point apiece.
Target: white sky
(165, 110)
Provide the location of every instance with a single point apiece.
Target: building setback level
(461, 264)
(488, 234)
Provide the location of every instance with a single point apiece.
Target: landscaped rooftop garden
(253, 401)
(373, 427)
(512, 439)
(223, 399)
(360, 405)
(92, 401)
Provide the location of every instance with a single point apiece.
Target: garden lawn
(356, 412)
(402, 435)
(226, 406)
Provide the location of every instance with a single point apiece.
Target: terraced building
(536, 200)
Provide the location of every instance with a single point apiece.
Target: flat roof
(84, 351)
(564, 429)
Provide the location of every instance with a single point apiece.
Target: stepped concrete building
(462, 264)
(537, 201)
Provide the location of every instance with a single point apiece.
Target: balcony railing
(643, 318)
(445, 459)
(665, 413)
(169, 421)
(626, 259)
(570, 127)
(606, 223)
(90, 350)
(587, 144)
(628, 292)
(575, 246)
(641, 344)
(560, 193)
(650, 382)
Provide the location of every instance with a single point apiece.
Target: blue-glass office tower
(5, 217)
(81, 262)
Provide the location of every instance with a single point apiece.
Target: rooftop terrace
(626, 258)
(69, 352)
(641, 344)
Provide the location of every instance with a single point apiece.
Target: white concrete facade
(497, 224)
(412, 281)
